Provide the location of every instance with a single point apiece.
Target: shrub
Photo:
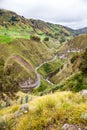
(35, 38)
(14, 19)
(46, 39)
(62, 40)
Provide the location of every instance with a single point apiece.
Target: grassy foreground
(49, 112)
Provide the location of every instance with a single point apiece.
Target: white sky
(72, 13)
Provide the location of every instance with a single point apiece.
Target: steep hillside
(14, 25)
(77, 44)
(28, 44)
(19, 59)
(69, 72)
(73, 75)
(78, 81)
(25, 44)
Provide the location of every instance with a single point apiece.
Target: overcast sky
(72, 13)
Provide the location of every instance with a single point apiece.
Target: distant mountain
(81, 31)
(78, 31)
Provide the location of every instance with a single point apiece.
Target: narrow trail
(47, 79)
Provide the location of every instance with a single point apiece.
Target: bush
(62, 40)
(14, 19)
(46, 39)
(35, 38)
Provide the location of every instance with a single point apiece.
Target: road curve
(27, 86)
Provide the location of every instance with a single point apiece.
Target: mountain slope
(77, 44)
(74, 76)
(70, 73)
(20, 58)
(24, 44)
(27, 43)
(10, 21)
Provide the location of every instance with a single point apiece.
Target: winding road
(48, 61)
(27, 85)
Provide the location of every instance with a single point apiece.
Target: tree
(62, 40)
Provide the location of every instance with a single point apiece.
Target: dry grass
(53, 109)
